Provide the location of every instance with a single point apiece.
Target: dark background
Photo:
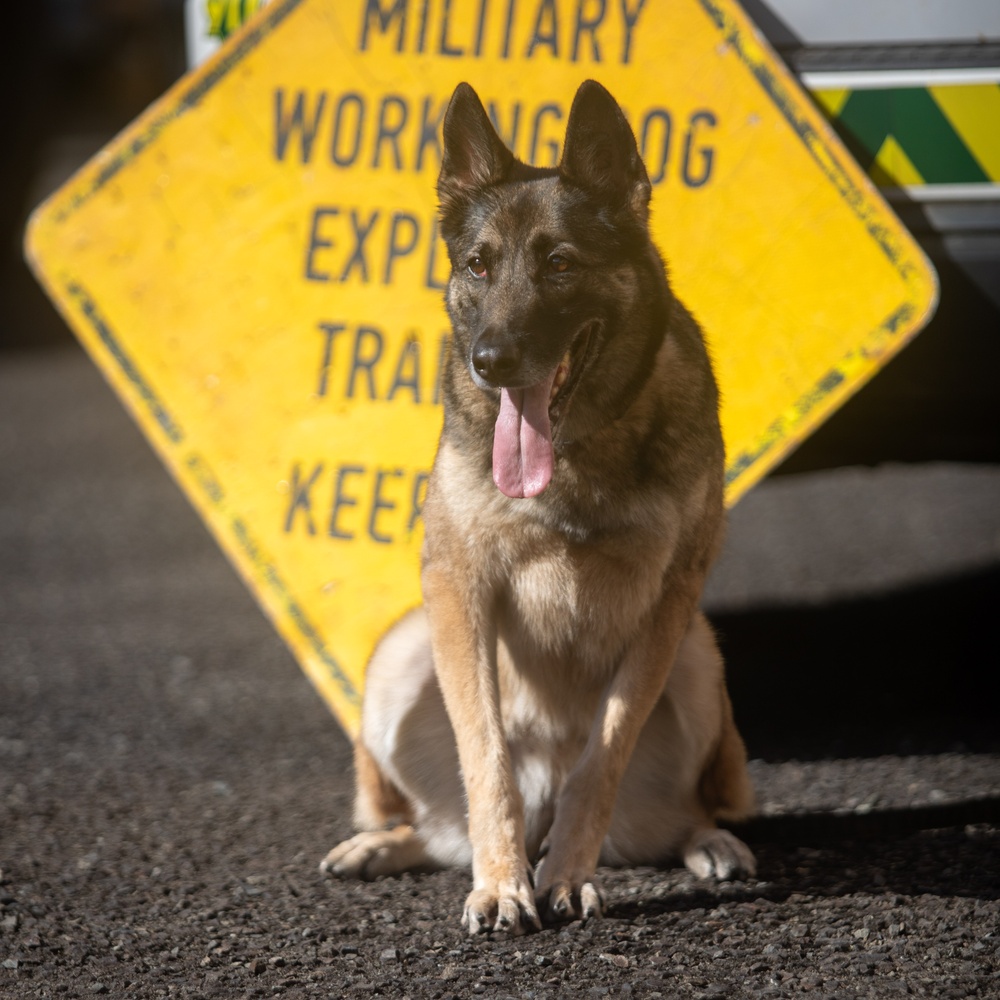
(923, 652)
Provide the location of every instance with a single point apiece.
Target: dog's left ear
(600, 153)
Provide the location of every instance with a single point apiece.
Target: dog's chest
(577, 601)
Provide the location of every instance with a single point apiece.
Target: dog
(559, 701)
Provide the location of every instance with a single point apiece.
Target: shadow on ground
(913, 671)
(939, 862)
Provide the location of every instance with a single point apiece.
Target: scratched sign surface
(254, 265)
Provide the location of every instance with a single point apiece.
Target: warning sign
(255, 266)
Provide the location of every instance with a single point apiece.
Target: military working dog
(559, 701)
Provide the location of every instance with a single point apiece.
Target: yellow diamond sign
(254, 264)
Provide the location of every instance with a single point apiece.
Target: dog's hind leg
(377, 850)
(377, 801)
(408, 805)
(724, 788)
(725, 793)
(688, 771)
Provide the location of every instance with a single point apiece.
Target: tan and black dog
(559, 700)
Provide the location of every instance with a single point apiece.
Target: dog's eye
(477, 267)
(559, 264)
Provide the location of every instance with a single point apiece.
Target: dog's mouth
(523, 457)
(558, 390)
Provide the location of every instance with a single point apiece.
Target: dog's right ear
(474, 155)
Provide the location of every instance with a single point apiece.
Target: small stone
(389, 955)
(715, 990)
(619, 961)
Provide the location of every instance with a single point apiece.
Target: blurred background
(859, 597)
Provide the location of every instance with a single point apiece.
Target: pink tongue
(522, 441)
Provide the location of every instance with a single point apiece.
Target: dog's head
(547, 264)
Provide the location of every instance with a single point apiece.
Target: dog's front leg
(464, 640)
(565, 887)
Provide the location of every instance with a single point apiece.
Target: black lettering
(630, 18)
(417, 496)
(590, 26)
(316, 242)
(444, 48)
(390, 124)
(296, 124)
(365, 359)
(547, 10)
(431, 278)
(340, 501)
(331, 330)
(358, 259)
(552, 145)
(505, 51)
(430, 131)
(337, 154)
(379, 503)
(407, 370)
(373, 10)
(707, 153)
(424, 19)
(656, 165)
(509, 137)
(299, 497)
(399, 247)
(480, 27)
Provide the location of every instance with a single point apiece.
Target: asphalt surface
(169, 780)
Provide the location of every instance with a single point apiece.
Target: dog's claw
(566, 902)
(512, 914)
(591, 901)
(719, 854)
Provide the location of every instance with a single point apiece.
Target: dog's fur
(559, 673)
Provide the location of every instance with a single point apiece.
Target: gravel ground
(169, 782)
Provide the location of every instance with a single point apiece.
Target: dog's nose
(495, 358)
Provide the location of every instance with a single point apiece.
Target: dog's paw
(564, 901)
(718, 854)
(371, 854)
(510, 908)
